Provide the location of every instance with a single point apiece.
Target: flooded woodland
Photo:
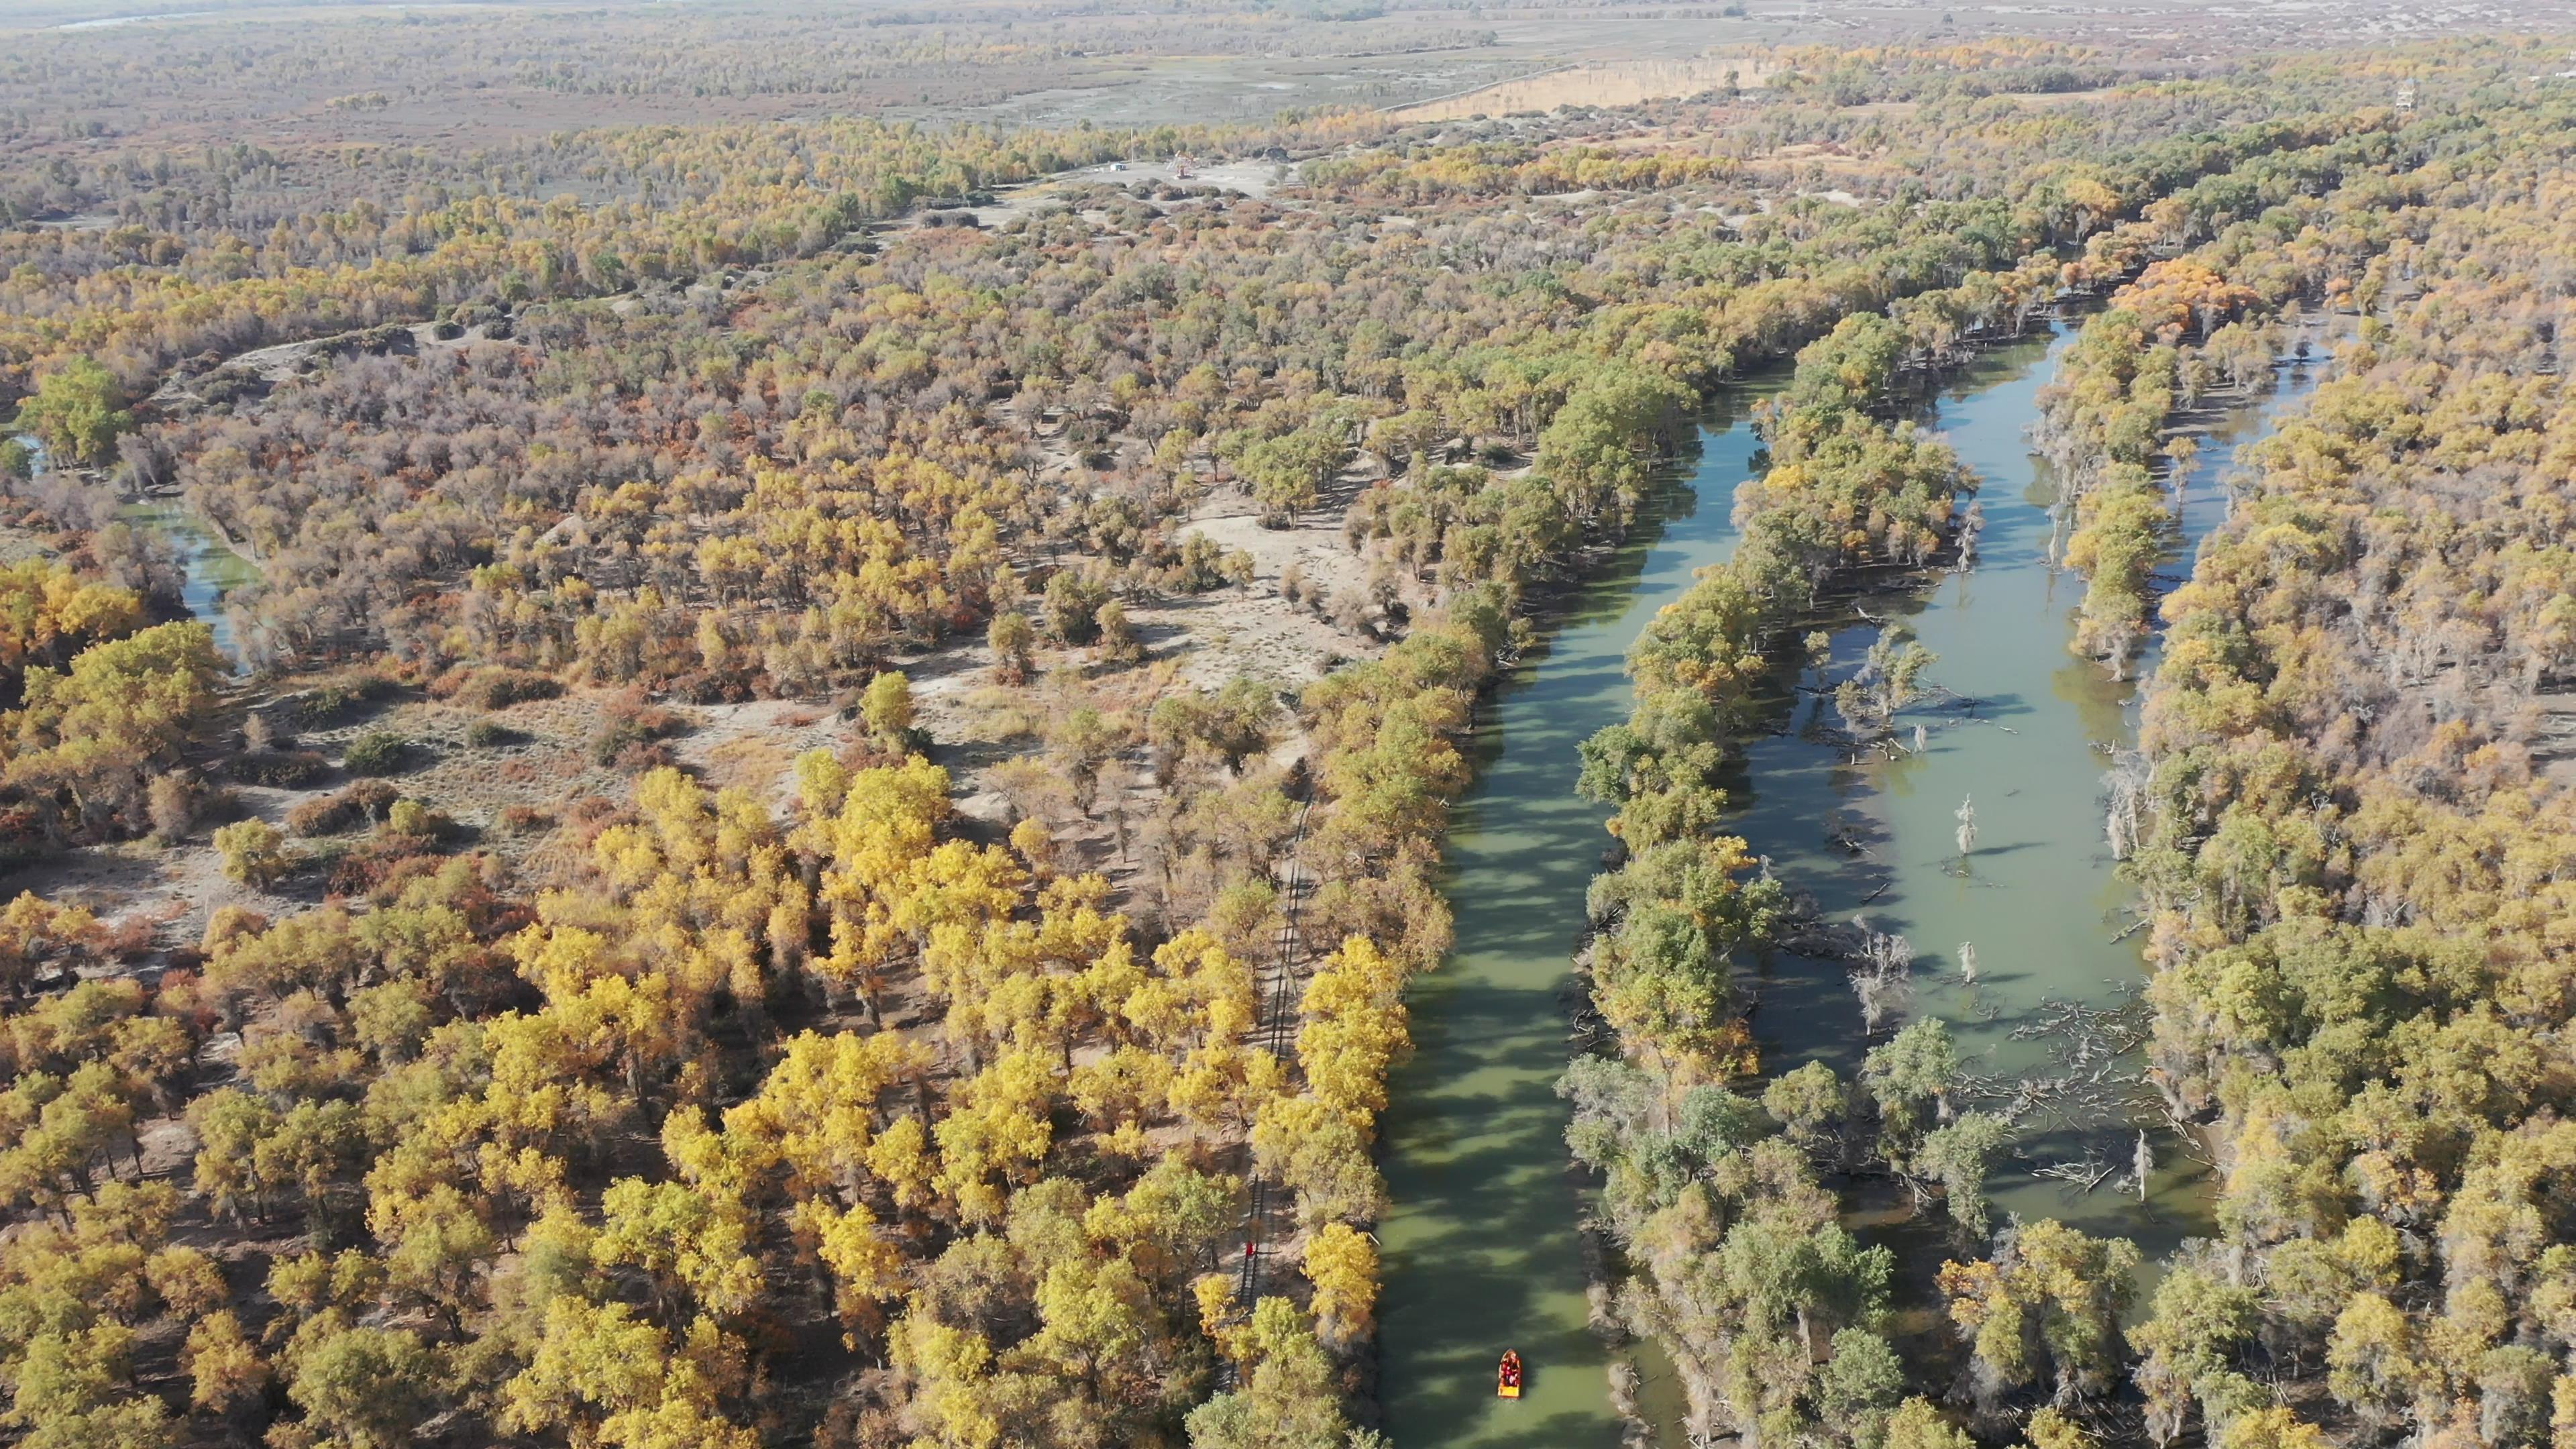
(2024, 943)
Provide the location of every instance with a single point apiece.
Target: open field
(1606, 83)
(82, 74)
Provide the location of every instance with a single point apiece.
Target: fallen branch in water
(2074, 1172)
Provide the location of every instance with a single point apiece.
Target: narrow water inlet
(209, 568)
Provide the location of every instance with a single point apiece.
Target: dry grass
(1604, 83)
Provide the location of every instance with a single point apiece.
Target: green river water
(209, 566)
(1480, 1248)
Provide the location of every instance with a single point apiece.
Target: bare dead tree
(1882, 975)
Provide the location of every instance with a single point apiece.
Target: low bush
(502, 688)
(525, 820)
(360, 805)
(285, 769)
(631, 722)
(252, 852)
(377, 874)
(377, 752)
(644, 755)
(340, 696)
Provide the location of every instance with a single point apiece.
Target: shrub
(285, 769)
(525, 820)
(502, 688)
(369, 870)
(360, 804)
(377, 752)
(414, 819)
(713, 686)
(342, 695)
(1118, 642)
(632, 722)
(644, 755)
(172, 803)
(326, 816)
(252, 852)
(486, 734)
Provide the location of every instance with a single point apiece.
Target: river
(208, 567)
(1481, 1248)
(2025, 731)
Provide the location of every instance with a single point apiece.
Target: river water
(2025, 731)
(209, 568)
(1481, 1250)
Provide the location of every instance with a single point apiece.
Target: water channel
(208, 567)
(1480, 1248)
(2025, 731)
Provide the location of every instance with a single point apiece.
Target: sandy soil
(1254, 630)
(278, 364)
(1255, 179)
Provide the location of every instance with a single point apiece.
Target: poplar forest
(716, 731)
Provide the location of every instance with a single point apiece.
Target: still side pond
(1481, 1248)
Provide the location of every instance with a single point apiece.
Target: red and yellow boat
(1507, 1379)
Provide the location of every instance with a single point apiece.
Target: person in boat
(1511, 1371)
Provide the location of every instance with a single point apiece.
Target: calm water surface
(2025, 731)
(210, 566)
(1481, 1249)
